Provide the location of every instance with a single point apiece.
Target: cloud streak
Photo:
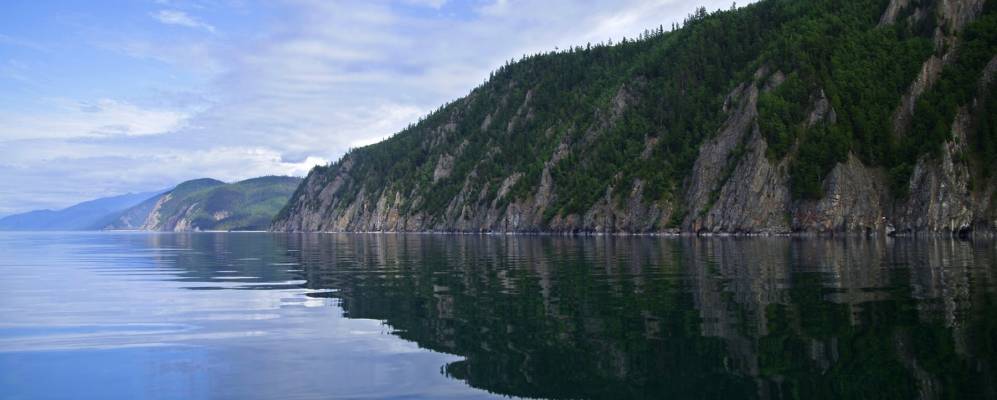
(174, 17)
(66, 118)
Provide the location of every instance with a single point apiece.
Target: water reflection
(552, 317)
(643, 317)
(107, 316)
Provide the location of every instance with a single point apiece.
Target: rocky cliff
(663, 134)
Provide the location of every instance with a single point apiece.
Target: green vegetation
(959, 83)
(985, 140)
(208, 204)
(779, 114)
(245, 205)
(861, 68)
(640, 109)
(192, 189)
(864, 73)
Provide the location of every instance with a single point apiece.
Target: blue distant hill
(87, 215)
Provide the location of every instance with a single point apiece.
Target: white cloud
(237, 163)
(427, 3)
(64, 118)
(175, 17)
(199, 57)
(84, 170)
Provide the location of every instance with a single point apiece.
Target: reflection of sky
(104, 315)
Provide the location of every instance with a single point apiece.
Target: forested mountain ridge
(781, 116)
(209, 204)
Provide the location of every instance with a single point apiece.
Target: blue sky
(100, 98)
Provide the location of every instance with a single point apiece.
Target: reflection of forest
(856, 318)
(703, 318)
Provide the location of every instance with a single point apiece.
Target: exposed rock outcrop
(926, 78)
(714, 159)
(856, 200)
(151, 222)
(892, 11)
(753, 199)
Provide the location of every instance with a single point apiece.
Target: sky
(100, 98)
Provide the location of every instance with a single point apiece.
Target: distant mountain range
(200, 204)
(87, 215)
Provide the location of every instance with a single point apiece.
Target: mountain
(135, 218)
(807, 116)
(209, 204)
(87, 215)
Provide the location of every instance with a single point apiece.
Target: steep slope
(782, 116)
(147, 215)
(208, 204)
(87, 215)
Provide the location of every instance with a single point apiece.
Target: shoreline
(874, 234)
(917, 234)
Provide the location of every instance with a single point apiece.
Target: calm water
(255, 315)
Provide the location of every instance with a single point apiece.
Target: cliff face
(458, 169)
(208, 204)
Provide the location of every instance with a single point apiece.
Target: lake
(310, 316)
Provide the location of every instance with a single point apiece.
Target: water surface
(259, 315)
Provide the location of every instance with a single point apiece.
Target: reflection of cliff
(642, 317)
(846, 318)
(539, 317)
